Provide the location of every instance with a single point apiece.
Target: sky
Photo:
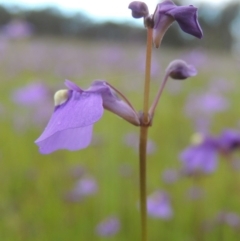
(116, 10)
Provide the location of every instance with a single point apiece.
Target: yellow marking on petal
(60, 97)
(197, 138)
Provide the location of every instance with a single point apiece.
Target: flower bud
(179, 69)
(139, 9)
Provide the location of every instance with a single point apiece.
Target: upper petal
(187, 19)
(113, 103)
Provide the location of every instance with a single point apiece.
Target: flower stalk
(145, 123)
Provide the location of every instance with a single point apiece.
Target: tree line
(217, 25)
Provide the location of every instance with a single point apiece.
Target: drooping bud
(179, 69)
(60, 97)
(139, 9)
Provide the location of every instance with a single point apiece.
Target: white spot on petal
(60, 97)
(197, 139)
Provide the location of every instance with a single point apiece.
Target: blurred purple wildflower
(230, 218)
(221, 85)
(170, 176)
(158, 205)
(108, 227)
(30, 100)
(85, 187)
(229, 140)
(76, 110)
(202, 106)
(17, 29)
(77, 171)
(200, 157)
(196, 57)
(195, 193)
(206, 103)
(32, 94)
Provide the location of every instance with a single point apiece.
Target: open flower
(167, 12)
(76, 110)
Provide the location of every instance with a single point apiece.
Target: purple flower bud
(139, 9)
(167, 12)
(179, 69)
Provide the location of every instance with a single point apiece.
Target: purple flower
(158, 205)
(229, 140)
(86, 186)
(200, 157)
(196, 57)
(230, 218)
(195, 193)
(76, 110)
(17, 29)
(32, 94)
(170, 176)
(167, 12)
(108, 227)
(206, 103)
(202, 106)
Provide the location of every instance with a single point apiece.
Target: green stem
(142, 180)
(143, 139)
(155, 102)
(147, 76)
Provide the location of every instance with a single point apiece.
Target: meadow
(93, 194)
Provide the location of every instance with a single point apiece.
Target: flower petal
(72, 86)
(80, 110)
(113, 103)
(70, 139)
(139, 9)
(166, 12)
(187, 19)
